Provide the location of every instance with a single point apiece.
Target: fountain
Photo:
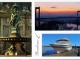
(17, 47)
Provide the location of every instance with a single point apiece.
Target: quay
(73, 52)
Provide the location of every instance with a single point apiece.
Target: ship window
(62, 41)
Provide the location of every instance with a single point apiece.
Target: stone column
(25, 27)
(1, 27)
(23, 30)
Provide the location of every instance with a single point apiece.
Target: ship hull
(61, 48)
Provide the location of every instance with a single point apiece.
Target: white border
(56, 32)
(39, 0)
(42, 32)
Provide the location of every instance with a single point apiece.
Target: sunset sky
(59, 7)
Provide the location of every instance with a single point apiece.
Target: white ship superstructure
(61, 45)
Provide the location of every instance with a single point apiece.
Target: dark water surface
(47, 51)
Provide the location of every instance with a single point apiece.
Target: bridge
(42, 14)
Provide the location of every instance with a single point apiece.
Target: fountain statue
(16, 47)
(15, 16)
(15, 20)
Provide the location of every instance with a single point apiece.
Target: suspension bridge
(42, 14)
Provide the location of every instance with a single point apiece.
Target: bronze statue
(15, 16)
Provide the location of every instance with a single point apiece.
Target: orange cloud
(58, 12)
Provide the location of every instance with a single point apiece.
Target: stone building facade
(25, 24)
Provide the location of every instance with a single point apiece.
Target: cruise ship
(62, 45)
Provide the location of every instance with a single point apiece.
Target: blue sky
(51, 38)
